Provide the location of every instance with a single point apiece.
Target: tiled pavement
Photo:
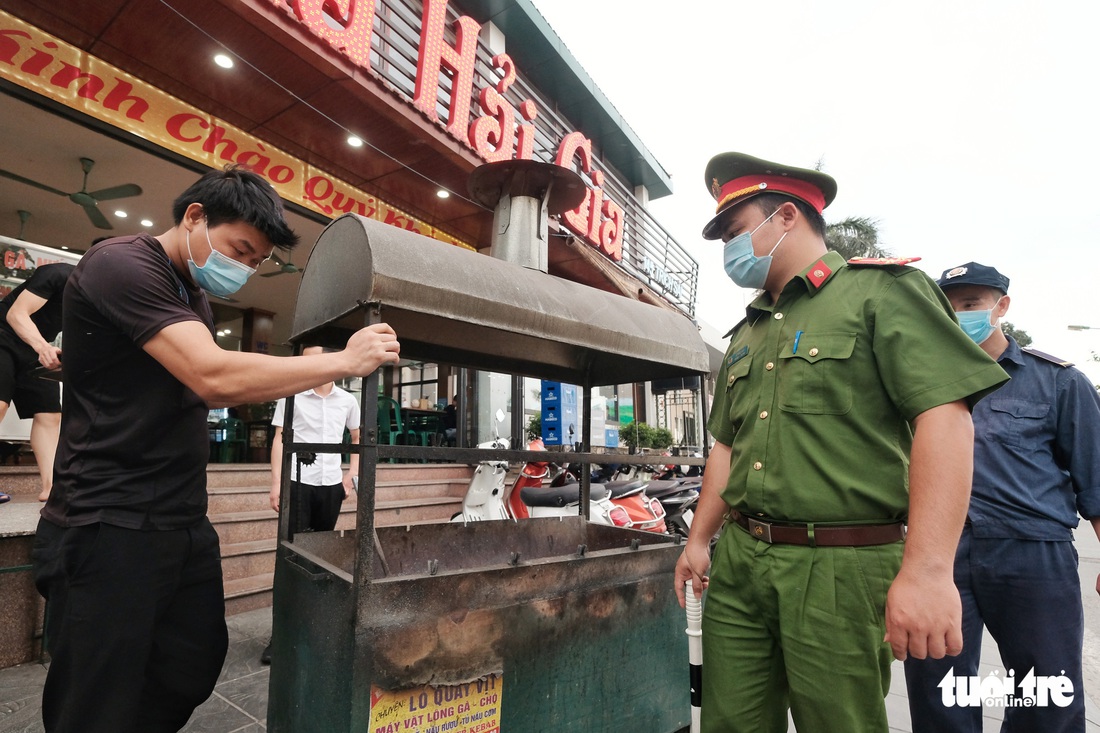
(238, 705)
(239, 702)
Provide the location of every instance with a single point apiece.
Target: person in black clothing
(450, 421)
(124, 552)
(30, 319)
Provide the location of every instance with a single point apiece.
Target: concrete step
(248, 594)
(391, 472)
(251, 526)
(245, 559)
(228, 475)
(415, 511)
(254, 498)
(21, 479)
(224, 500)
(230, 504)
(400, 487)
(237, 527)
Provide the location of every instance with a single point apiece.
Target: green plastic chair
(425, 431)
(391, 429)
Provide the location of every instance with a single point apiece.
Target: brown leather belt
(815, 535)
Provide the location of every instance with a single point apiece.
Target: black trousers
(135, 626)
(315, 508)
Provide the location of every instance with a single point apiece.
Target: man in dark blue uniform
(1036, 467)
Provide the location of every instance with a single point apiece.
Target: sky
(967, 129)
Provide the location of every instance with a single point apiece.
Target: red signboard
(495, 133)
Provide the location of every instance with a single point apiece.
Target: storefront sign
(16, 262)
(498, 133)
(48, 66)
(473, 707)
(662, 278)
(19, 260)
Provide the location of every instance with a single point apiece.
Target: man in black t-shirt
(124, 552)
(30, 319)
(450, 421)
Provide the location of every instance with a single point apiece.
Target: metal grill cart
(538, 625)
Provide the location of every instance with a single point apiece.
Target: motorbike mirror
(500, 415)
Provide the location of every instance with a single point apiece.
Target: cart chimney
(522, 194)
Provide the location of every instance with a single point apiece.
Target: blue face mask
(220, 275)
(741, 263)
(978, 325)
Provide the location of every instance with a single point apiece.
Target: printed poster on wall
(473, 707)
(19, 260)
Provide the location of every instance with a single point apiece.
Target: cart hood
(449, 304)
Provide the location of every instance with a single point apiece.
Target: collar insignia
(819, 273)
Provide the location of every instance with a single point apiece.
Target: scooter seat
(559, 496)
(658, 489)
(619, 489)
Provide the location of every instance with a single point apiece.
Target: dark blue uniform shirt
(1036, 451)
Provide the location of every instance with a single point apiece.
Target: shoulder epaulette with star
(1046, 357)
(881, 261)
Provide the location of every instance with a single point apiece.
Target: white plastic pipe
(694, 608)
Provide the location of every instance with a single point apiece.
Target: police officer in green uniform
(841, 414)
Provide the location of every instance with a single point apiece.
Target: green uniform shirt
(817, 392)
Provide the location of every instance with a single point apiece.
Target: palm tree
(856, 236)
(1022, 337)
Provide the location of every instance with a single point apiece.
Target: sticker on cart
(473, 707)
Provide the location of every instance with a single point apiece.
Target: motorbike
(489, 497)
(674, 471)
(485, 496)
(678, 487)
(678, 497)
(645, 512)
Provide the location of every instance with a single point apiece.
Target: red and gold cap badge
(736, 177)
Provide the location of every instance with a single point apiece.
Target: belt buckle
(760, 530)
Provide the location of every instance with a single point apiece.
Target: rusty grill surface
(450, 603)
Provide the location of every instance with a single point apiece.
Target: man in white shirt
(317, 487)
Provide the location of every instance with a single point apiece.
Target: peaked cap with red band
(733, 178)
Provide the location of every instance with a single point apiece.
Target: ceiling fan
(89, 201)
(285, 268)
